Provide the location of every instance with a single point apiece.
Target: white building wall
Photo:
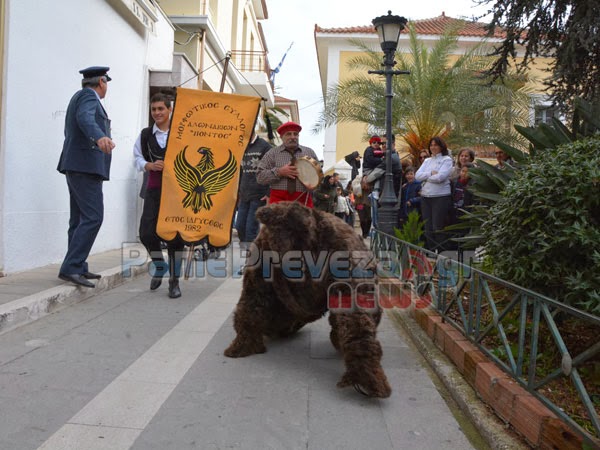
(333, 78)
(46, 45)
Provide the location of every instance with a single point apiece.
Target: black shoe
(91, 276)
(174, 291)
(155, 283)
(76, 278)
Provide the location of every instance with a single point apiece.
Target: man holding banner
(149, 154)
(277, 167)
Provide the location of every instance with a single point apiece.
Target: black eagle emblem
(202, 181)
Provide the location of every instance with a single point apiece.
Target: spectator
(464, 157)
(363, 206)
(436, 195)
(351, 199)
(353, 159)
(503, 160)
(336, 180)
(377, 174)
(462, 198)
(423, 155)
(252, 195)
(373, 155)
(325, 195)
(410, 196)
(341, 209)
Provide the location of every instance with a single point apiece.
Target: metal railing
(528, 335)
(250, 61)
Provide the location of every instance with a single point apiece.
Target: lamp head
(389, 28)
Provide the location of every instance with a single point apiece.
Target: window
(544, 114)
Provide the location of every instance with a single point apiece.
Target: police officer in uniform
(85, 161)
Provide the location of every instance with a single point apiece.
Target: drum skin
(310, 173)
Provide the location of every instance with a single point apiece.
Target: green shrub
(412, 230)
(544, 233)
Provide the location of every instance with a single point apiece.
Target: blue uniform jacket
(85, 123)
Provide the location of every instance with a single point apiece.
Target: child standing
(461, 197)
(341, 206)
(410, 196)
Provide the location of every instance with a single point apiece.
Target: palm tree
(442, 96)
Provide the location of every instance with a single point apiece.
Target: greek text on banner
(207, 139)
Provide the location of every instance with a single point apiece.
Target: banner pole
(188, 262)
(225, 67)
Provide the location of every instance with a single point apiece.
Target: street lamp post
(388, 29)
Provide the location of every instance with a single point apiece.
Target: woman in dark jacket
(325, 195)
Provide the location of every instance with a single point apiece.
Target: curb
(33, 307)
(511, 403)
(489, 426)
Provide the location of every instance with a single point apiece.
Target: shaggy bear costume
(274, 305)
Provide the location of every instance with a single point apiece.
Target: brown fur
(281, 306)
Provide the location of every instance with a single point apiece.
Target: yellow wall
(350, 136)
(184, 7)
(221, 13)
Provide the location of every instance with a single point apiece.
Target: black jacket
(354, 163)
(249, 187)
(372, 158)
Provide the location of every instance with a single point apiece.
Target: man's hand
(288, 171)
(105, 144)
(156, 166)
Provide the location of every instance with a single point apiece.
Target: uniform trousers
(87, 214)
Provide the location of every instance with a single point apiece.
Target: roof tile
(433, 26)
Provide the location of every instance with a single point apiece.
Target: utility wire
(237, 70)
(200, 73)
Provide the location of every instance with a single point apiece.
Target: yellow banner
(207, 139)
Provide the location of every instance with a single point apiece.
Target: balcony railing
(250, 61)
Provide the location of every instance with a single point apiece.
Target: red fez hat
(288, 126)
(374, 139)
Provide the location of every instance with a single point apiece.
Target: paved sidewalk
(27, 296)
(30, 295)
(133, 369)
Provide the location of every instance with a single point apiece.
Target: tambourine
(310, 173)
